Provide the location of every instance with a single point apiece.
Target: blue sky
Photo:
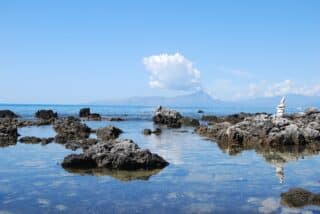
(80, 51)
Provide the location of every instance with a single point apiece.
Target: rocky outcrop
(94, 116)
(46, 114)
(233, 118)
(35, 140)
(123, 155)
(70, 128)
(108, 133)
(168, 117)
(7, 114)
(115, 119)
(267, 130)
(298, 197)
(8, 133)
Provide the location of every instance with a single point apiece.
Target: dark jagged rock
(7, 114)
(84, 112)
(108, 133)
(46, 114)
(187, 121)
(168, 117)
(34, 140)
(8, 133)
(70, 128)
(115, 119)
(123, 155)
(298, 197)
(267, 130)
(78, 161)
(200, 111)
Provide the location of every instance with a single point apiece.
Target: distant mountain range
(202, 99)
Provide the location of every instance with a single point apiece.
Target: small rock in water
(298, 197)
(84, 112)
(46, 114)
(168, 117)
(147, 131)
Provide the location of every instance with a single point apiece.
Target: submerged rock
(187, 121)
(157, 131)
(168, 117)
(298, 197)
(108, 133)
(7, 114)
(34, 140)
(124, 155)
(46, 114)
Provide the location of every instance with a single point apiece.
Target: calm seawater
(201, 177)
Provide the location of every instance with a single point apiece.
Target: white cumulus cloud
(173, 72)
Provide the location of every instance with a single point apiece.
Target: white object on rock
(281, 108)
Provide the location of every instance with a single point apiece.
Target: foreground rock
(34, 140)
(108, 133)
(168, 117)
(8, 133)
(266, 130)
(46, 114)
(7, 114)
(298, 197)
(70, 128)
(123, 155)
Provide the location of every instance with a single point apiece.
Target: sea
(202, 177)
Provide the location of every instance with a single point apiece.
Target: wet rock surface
(7, 114)
(265, 129)
(108, 133)
(46, 114)
(121, 154)
(34, 140)
(168, 117)
(298, 197)
(188, 121)
(70, 128)
(8, 133)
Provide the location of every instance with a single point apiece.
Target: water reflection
(122, 175)
(278, 156)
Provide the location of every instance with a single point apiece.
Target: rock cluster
(70, 128)
(168, 117)
(7, 114)
(266, 130)
(46, 114)
(34, 140)
(122, 155)
(108, 133)
(233, 118)
(8, 133)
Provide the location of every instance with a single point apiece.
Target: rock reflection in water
(277, 156)
(298, 197)
(122, 175)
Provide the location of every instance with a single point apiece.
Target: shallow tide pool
(201, 177)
